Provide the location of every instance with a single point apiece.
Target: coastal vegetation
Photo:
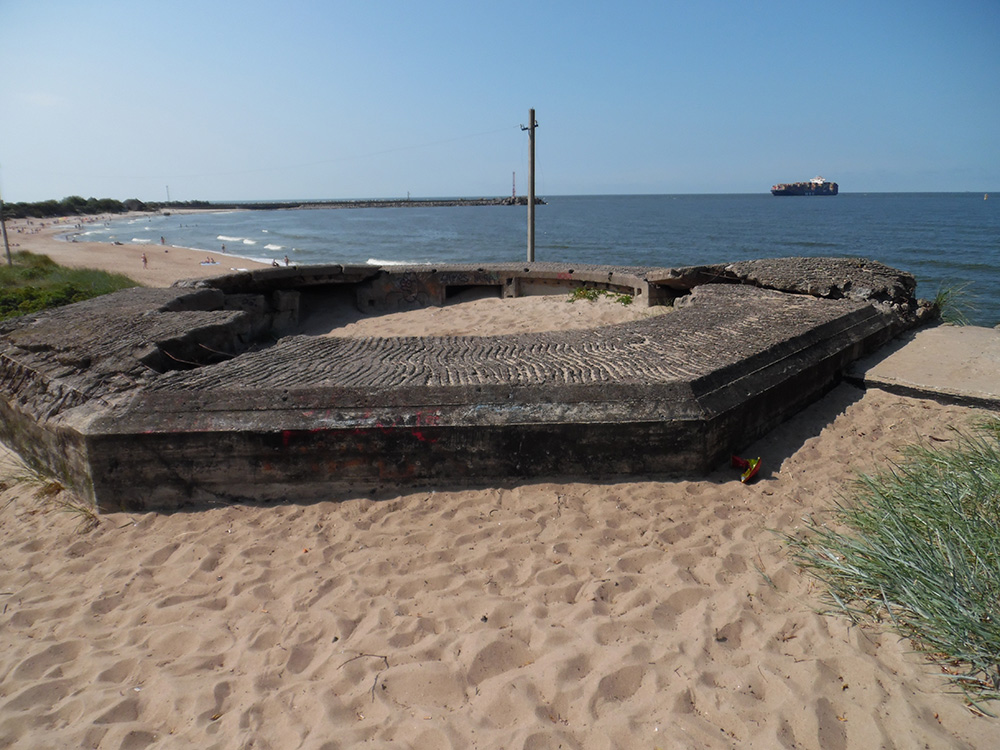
(591, 295)
(73, 205)
(49, 490)
(36, 282)
(954, 304)
(918, 547)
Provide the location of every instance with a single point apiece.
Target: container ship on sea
(815, 186)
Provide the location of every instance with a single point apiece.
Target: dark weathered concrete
(157, 398)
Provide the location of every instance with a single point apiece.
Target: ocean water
(946, 240)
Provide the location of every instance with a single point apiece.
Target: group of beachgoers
(209, 260)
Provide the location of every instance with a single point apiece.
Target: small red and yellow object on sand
(749, 467)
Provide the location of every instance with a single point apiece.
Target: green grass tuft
(592, 295)
(50, 490)
(35, 283)
(918, 547)
(955, 304)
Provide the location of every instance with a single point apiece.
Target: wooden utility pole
(532, 124)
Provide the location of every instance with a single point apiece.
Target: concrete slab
(959, 364)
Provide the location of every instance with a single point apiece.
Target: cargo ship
(815, 186)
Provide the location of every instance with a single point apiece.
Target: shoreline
(165, 264)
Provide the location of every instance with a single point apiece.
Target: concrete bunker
(204, 393)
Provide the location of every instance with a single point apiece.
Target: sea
(949, 241)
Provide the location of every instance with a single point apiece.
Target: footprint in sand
(107, 603)
(300, 658)
(126, 711)
(160, 556)
(210, 562)
(265, 640)
(35, 666)
(498, 657)
(575, 669)
(617, 687)
(729, 635)
(118, 672)
(666, 614)
(138, 739)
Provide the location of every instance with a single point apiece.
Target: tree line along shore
(76, 205)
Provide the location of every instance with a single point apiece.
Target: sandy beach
(165, 264)
(639, 613)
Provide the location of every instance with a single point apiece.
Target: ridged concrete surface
(724, 324)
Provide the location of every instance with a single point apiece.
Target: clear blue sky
(329, 99)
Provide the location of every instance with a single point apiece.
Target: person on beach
(144, 260)
(286, 260)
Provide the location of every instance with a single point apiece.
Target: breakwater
(354, 203)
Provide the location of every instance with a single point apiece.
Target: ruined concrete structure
(157, 398)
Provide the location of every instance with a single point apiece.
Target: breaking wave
(379, 262)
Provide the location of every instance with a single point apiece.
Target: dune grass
(918, 547)
(36, 282)
(49, 490)
(955, 304)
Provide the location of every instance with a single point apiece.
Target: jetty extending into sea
(197, 394)
(513, 200)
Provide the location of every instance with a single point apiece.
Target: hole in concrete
(469, 292)
(324, 308)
